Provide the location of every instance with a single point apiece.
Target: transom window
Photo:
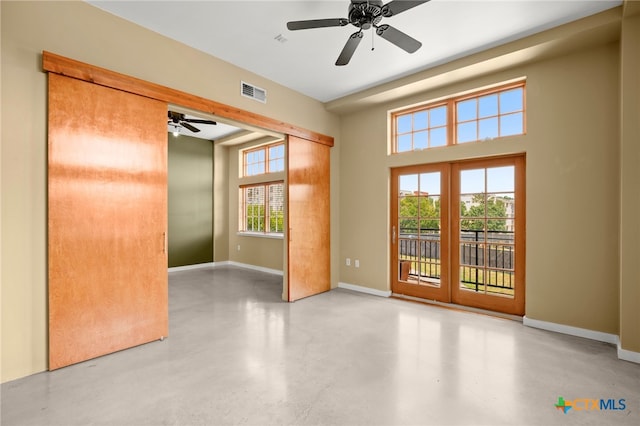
(425, 128)
(263, 160)
(262, 208)
(490, 116)
(485, 115)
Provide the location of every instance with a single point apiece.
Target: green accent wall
(190, 236)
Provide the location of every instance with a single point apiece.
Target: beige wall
(220, 203)
(572, 185)
(82, 32)
(629, 190)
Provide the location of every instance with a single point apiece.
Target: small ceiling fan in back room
(365, 15)
(178, 120)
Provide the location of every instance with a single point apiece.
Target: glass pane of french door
(418, 244)
(419, 228)
(486, 240)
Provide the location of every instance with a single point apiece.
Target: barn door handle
(393, 235)
(164, 243)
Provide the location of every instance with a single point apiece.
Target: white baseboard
(224, 263)
(189, 267)
(254, 267)
(572, 331)
(366, 290)
(627, 355)
(623, 354)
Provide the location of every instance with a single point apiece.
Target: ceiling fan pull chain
(372, 41)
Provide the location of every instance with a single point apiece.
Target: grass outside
(489, 280)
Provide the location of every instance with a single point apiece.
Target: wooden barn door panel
(107, 219)
(309, 264)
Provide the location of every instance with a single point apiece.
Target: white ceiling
(245, 33)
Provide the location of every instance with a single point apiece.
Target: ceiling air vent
(253, 92)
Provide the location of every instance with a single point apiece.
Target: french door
(458, 233)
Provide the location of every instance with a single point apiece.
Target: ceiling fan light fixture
(179, 120)
(364, 15)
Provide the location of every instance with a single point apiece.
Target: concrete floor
(237, 354)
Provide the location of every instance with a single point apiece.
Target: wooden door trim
(57, 64)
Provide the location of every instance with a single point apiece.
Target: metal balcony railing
(485, 261)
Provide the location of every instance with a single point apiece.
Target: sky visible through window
(490, 116)
(276, 158)
(424, 182)
(257, 162)
(429, 127)
(499, 180)
(485, 117)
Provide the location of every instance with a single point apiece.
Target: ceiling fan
(177, 119)
(364, 15)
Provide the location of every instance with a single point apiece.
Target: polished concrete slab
(237, 354)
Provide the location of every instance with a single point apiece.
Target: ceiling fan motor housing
(365, 14)
(175, 117)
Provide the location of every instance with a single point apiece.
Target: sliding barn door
(309, 266)
(107, 213)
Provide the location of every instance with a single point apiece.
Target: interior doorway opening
(145, 157)
(204, 181)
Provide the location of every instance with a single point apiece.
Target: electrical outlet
(357, 263)
(348, 262)
(238, 247)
